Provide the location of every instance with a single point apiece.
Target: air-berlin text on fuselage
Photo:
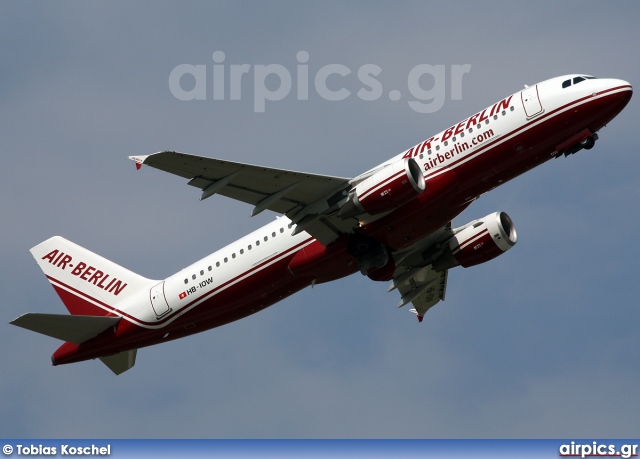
(460, 127)
(85, 272)
(457, 149)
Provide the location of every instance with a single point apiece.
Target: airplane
(392, 223)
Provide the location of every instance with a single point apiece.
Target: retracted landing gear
(374, 259)
(589, 142)
(586, 144)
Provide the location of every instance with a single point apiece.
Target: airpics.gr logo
(426, 83)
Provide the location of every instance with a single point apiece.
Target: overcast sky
(541, 342)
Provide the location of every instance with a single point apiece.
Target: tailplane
(92, 289)
(74, 329)
(77, 330)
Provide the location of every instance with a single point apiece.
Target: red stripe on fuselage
(492, 165)
(245, 294)
(248, 296)
(535, 121)
(255, 269)
(82, 299)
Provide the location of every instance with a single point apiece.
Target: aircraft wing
(415, 278)
(424, 288)
(309, 200)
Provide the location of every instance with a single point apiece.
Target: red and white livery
(391, 223)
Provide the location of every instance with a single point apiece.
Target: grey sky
(542, 342)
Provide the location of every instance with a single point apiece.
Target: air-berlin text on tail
(86, 272)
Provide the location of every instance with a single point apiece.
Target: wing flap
(74, 329)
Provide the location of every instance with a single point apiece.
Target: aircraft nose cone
(627, 92)
(623, 85)
(620, 92)
(628, 85)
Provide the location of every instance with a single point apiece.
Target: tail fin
(88, 284)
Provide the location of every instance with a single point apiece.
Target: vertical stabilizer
(87, 283)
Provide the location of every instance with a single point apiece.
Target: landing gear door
(158, 300)
(531, 101)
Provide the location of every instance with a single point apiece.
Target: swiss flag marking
(183, 295)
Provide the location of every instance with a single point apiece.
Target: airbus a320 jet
(392, 223)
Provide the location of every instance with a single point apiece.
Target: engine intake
(386, 190)
(480, 241)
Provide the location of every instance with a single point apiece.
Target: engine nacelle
(481, 240)
(386, 190)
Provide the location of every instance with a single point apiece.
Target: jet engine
(386, 190)
(479, 241)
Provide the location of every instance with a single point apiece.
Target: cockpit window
(576, 80)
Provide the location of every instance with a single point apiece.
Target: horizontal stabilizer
(74, 329)
(121, 362)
